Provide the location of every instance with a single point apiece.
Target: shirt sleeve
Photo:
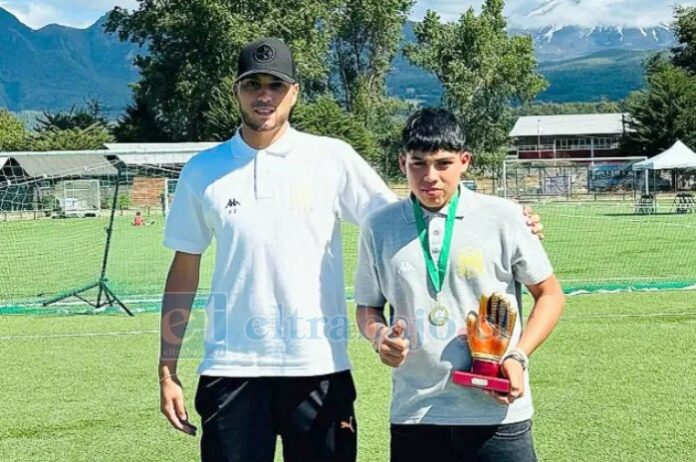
(363, 191)
(186, 229)
(368, 289)
(530, 263)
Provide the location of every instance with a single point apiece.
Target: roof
(569, 124)
(155, 159)
(678, 156)
(37, 165)
(157, 153)
(143, 148)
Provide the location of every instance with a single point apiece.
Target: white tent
(678, 156)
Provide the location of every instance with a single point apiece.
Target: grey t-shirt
(492, 250)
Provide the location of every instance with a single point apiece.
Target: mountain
(599, 72)
(56, 67)
(610, 74)
(554, 43)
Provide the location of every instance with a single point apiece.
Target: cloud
(73, 13)
(585, 13)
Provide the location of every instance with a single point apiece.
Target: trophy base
(483, 382)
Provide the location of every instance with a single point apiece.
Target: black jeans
(241, 418)
(463, 443)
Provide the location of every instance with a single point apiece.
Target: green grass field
(608, 386)
(614, 383)
(591, 244)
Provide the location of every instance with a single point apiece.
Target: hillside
(56, 67)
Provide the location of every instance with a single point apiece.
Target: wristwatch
(519, 356)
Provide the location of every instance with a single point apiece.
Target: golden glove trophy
(488, 335)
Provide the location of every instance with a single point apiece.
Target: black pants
(463, 443)
(241, 418)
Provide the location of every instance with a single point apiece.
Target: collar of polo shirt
(465, 197)
(281, 147)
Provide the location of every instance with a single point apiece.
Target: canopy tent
(679, 156)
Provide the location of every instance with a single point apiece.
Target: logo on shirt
(232, 206)
(301, 199)
(469, 263)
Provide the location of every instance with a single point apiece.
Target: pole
(592, 149)
(109, 232)
(505, 178)
(539, 138)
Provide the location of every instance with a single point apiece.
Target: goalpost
(69, 234)
(78, 198)
(168, 194)
(56, 220)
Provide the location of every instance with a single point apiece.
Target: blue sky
(529, 13)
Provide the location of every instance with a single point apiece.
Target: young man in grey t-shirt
(432, 257)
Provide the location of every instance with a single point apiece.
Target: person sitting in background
(138, 219)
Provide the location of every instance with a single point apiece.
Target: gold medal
(438, 315)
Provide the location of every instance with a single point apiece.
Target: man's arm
(549, 301)
(179, 292)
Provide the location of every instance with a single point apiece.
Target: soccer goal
(56, 222)
(168, 194)
(78, 198)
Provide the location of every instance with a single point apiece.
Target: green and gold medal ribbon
(436, 275)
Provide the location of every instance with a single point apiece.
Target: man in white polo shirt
(275, 360)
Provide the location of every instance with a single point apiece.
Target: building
(43, 181)
(568, 136)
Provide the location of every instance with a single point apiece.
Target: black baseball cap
(266, 56)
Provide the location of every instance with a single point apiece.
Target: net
(54, 213)
(600, 235)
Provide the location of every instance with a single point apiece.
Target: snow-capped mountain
(565, 29)
(554, 43)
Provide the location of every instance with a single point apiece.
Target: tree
(13, 134)
(71, 139)
(664, 111)
(192, 51)
(482, 69)
(138, 123)
(366, 42)
(325, 117)
(80, 118)
(223, 112)
(603, 106)
(684, 28)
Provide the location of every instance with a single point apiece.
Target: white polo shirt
(277, 304)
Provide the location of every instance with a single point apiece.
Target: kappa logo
(232, 205)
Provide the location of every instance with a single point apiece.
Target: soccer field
(593, 246)
(609, 385)
(614, 383)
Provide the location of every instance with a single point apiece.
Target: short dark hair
(431, 130)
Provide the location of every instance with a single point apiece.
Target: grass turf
(591, 244)
(609, 385)
(614, 383)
